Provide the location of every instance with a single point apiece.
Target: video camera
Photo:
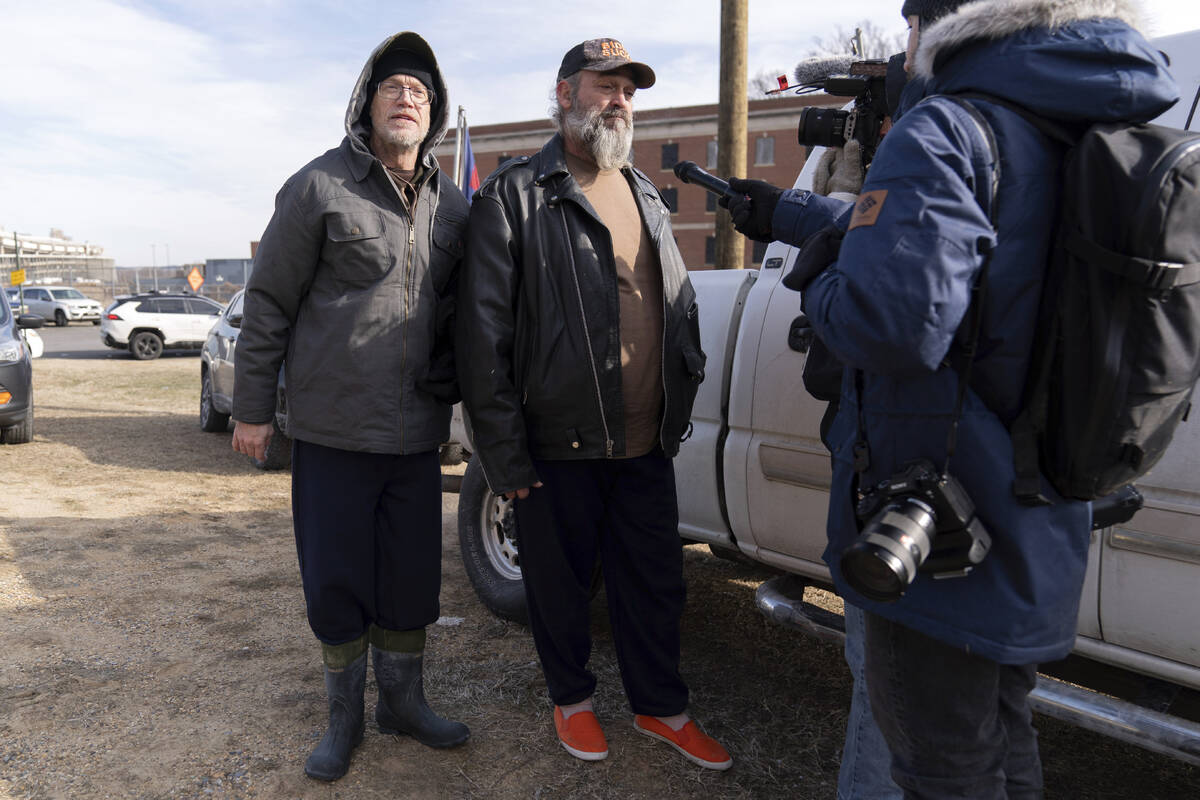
(875, 86)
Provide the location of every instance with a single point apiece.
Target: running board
(781, 600)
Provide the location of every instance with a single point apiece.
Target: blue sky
(167, 127)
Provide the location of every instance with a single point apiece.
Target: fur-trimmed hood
(996, 19)
(1064, 59)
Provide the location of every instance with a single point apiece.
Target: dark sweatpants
(623, 511)
(369, 538)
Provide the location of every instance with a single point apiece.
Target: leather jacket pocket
(355, 246)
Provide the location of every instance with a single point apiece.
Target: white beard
(609, 147)
(403, 140)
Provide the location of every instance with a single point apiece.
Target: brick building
(663, 137)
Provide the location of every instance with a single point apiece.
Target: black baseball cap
(604, 55)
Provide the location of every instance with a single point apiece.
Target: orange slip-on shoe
(580, 735)
(696, 745)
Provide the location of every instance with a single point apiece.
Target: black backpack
(1117, 348)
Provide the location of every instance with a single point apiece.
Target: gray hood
(357, 125)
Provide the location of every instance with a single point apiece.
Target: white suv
(148, 323)
(62, 304)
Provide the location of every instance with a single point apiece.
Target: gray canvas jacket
(539, 336)
(356, 298)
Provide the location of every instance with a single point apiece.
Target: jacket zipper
(408, 260)
(587, 341)
(662, 358)
(408, 270)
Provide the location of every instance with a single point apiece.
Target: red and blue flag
(469, 180)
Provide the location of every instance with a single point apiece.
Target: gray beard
(609, 147)
(402, 140)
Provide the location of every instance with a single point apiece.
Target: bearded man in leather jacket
(579, 358)
(354, 283)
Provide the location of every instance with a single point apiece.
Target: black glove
(818, 252)
(752, 211)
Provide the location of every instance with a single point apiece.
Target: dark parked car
(216, 386)
(16, 377)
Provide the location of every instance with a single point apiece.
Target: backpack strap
(1024, 431)
(1142, 271)
(1061, 132)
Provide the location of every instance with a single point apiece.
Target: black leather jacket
(538, 335)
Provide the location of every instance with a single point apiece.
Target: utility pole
(154, 265)
(731, 122)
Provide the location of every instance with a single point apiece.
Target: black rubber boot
(345, 687)
(402, 707)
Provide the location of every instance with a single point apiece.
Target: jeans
(865, 773)
(957, 725)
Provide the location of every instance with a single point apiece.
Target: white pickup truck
(753, 479)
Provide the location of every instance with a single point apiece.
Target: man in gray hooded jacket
(352, 292)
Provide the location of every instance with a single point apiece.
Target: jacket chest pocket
(355, 247)
(447, 250)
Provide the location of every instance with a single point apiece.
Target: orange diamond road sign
(195, 279)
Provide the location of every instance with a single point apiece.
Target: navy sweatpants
(369, 538)
(623, 512)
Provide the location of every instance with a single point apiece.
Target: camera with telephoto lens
(916, 520)
(875, 86)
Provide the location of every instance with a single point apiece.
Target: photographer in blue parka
(950, 662)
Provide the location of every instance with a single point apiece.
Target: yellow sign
(16, 277)
(195, 279)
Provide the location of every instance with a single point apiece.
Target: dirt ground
(154, 643)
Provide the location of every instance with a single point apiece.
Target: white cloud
(169, 122)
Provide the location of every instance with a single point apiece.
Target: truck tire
(487, 529)
(211, 420)
(279, 451)
(60, 318)
(21, 433)
(451, 454)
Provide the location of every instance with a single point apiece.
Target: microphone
(815, 70)
(690, 172)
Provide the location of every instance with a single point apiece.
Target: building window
(710, 250)
(710, 202)
(760, 250)
(764, 150)
(670, 155)
(712, 155)
(671, 198)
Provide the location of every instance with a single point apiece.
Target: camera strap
(986, 184)
(979, 287)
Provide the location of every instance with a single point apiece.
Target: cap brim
(643, 76)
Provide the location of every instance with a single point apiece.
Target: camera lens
(894, 543)
(822, 127)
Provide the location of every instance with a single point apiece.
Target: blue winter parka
(892, 304)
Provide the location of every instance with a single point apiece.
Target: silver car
(216, 385)
(61, 304)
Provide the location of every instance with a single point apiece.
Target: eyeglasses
(392, 91)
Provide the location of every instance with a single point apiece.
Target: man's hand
(752, 212)
(252, 439)
(840, 170)
(521, 494)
